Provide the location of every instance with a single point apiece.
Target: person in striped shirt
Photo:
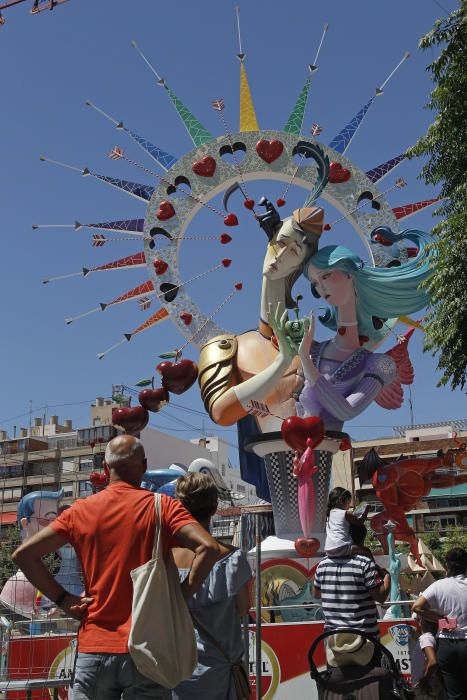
(349, 588)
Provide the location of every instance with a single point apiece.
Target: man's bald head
(124, 455)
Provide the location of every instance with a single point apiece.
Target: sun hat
(346, 649)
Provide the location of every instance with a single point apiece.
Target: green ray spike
(295, 120)
(198, 133)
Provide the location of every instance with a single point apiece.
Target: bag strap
(157, 534)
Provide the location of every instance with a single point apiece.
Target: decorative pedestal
(284, 486)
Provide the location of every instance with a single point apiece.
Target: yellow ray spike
(247, 110)
(411, 322)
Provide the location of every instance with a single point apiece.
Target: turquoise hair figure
(342, 375)
(383, 294)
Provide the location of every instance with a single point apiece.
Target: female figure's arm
(379, 371)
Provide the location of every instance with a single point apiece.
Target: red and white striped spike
(409, 209)
(136, 260)
(159, 316)
(142, 290)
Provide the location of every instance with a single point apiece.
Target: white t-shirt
(337, 531)
(449, 597)
(417, 657)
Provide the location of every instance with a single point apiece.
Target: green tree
(440, 545)
(445, 145)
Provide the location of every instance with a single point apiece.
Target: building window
(67, 489)
(86, 464)
(67, 465)
(85, 489)
(241, 488)
(11, 494)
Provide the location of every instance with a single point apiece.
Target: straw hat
(347, 649)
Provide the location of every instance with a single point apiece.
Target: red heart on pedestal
(280, 202)
(296, 431)
(225, 238)
(269, 151)
(165, 211)
(206, 167)
(178, 377)
(306, 547)
(249, 203)
(160, 267)
(231, 220)
(132, 420)
(153, 399)
(186, 318)
(338, 174)
(226, 262)
(239, 286)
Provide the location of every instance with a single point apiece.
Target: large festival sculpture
(289, 394)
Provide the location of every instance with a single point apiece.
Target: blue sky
(53, 62)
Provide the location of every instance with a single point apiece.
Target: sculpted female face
(334, 286)
(286, 252)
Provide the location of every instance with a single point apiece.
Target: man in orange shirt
(113, 533)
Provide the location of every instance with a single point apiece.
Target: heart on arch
(269, 151)
(165, 211)
(338, 174)
(206, 167)
(296, 431)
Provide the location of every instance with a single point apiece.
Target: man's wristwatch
(59, 600)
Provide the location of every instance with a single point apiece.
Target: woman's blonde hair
(198, 493)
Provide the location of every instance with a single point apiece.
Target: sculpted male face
(45, 511)
(286, 252)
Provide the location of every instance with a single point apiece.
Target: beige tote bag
(162, 640)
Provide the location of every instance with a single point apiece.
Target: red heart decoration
(186, 318)
(296, 431)
(206, 167)
(306, 547)
(153, 399)
(345, 445)
(226, 262)
(280, 202)
(165, 211)
(225, 238)
(269, 151)
(178, 377)
(327, 227)
(132, 420)
(160, 267)
(239, 286)
(231, 220)
(338, 174)
(341, 330)
(249, 203)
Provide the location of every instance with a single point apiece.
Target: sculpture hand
(310, 370)
(287, 347)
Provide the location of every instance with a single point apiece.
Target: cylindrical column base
(283, 486)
